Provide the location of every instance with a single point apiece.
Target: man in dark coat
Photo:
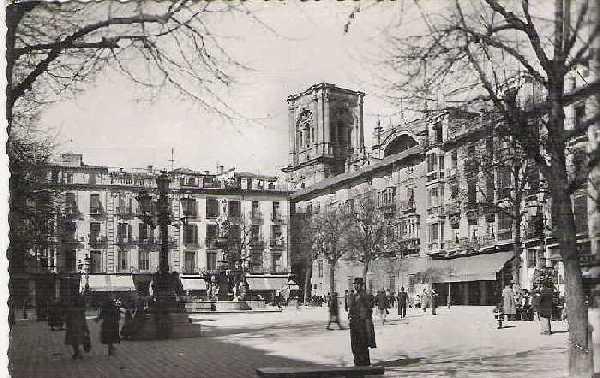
(346, 301)
(358, 312)
(402, 298)
(77, 329)
(334, 316)
(109, 329)
(542, 302)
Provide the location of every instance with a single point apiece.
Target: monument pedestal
(180, 326)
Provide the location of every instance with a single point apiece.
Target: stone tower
(325, 133)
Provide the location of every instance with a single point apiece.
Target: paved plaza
(459, 342)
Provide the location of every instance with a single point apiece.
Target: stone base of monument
(215, 307)
(180, 326)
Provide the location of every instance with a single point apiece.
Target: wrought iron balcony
(277, 218)
(407, 206)
(97, 241)
(277, 243)
(124, 212)
(97, 211)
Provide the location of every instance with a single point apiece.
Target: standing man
(333, 311)
(381, 303)
(424, 300)
(358, 311)
(402, 297)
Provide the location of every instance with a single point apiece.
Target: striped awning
(109, 282)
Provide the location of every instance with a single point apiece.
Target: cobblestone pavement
(459, 342)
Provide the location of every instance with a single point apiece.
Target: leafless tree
(54, 48)
(502, 53)
(367, 232)
(301, 248)
(329, 229)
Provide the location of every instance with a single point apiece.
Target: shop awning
(193, 283)
(267, 283)
(470, 268)
(109, 282)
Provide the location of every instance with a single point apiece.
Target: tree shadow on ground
(36, 352)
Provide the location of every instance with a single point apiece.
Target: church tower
(325, 133)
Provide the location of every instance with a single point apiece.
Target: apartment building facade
(101, 234)
(441, 188)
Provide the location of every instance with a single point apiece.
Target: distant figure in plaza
(434, 296)
(55, 315)
(77, 329)
(402, 297)
(498, 314)
(382, 304)
(359, 312)
(424, 300)
(390, 298)
(346, 301)
(109, 329)
(542, 302)
(334, 315)
(509, 307)
(417, 301)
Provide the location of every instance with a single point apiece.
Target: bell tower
(325, 133)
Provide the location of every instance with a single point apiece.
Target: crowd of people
(540, 304)
(70, 315)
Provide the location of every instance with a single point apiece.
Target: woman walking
(76, 326)
(109, 329)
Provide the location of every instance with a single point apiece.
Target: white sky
(111, 127)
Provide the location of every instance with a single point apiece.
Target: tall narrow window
(211, 260)
(144, 260)
(190, 262)
(212, 208)
(95, 205)
(123, 261)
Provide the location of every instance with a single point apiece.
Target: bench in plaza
(320, 372)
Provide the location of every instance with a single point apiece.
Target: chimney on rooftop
(149, 168)
(219, 169)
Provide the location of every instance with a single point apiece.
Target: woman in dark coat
(77, 329)
(109, 330)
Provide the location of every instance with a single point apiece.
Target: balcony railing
(210, 242)
(277, 243)
(97, 241)
(256, 216)
(191, 244)
(125, 212)
(435, 175)
(407, 206)
(436, 211)
(277, 218)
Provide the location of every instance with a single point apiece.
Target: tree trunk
(517, 236)
(332, 265)
(580, 360)
(307, 282)
(365, 271)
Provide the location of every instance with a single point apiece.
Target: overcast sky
(110, 126)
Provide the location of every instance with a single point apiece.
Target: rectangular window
(580, 210)
(579, 115)
(276, 211)
(235, 232)
(121, 232)
(434, 233)
(471, 192)
(211, 260)
(255, 210)
(142, 231)
(531, 258)
(211, 231)
(123, 261)
(70, 203)
(144, 260)
(94, 231)
(190, 262)
(95, 261)
(95, 204)
(276, 262)
(454, 159)
(189, 207)
(92, 179)
(190, 234)
(69, 178)
(255, 233)
(234, 209)
(70, 263)
(320, 268)
(256, 261)
(212, 208)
